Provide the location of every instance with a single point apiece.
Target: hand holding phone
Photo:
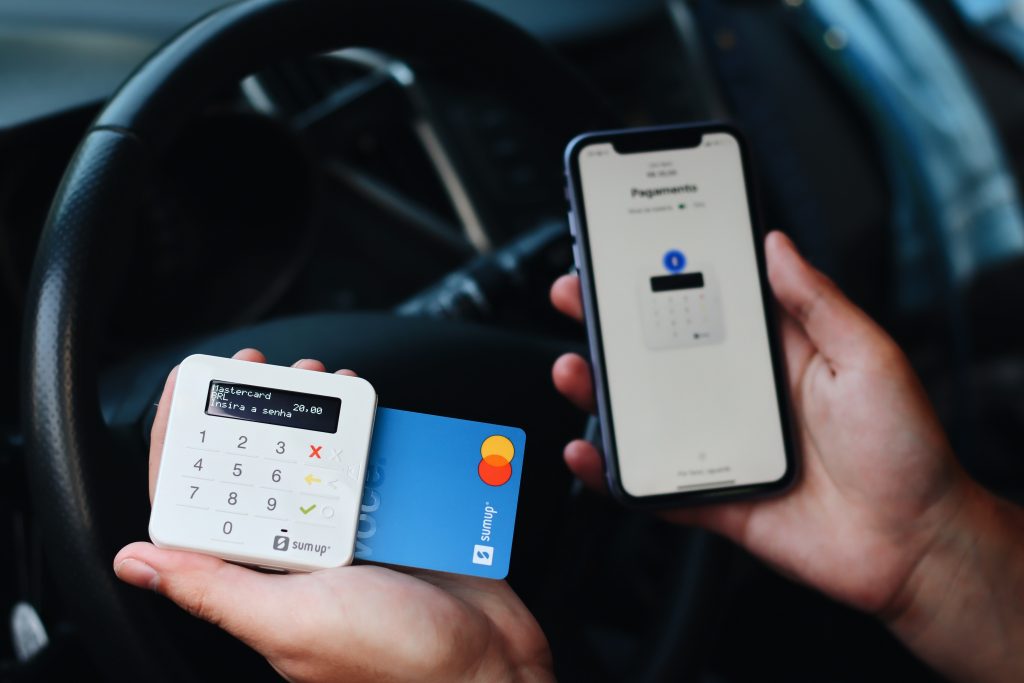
(882, 517)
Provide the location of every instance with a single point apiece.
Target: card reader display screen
(273, 406)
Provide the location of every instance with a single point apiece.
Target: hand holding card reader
(263, 464)
(283, 468)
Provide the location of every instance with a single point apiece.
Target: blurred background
(888, 138)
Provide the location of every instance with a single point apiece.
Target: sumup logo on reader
(284, 543)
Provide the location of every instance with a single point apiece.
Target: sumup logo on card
(483, 554)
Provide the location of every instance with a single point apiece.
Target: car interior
(378, 184)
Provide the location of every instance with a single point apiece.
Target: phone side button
(576, 255)
(572, 223)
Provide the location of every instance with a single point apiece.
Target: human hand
(350, 623)
(882, 515)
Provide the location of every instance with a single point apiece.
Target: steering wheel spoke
(354, 94)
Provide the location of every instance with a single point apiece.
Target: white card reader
(263, 464)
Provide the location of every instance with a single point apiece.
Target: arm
(962, 608)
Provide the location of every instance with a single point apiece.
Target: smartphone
(690, 382)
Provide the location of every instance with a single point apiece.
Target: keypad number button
(194, 494)
(236, 500)
(275, 476)
(271, 504)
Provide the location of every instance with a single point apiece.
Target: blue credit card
(441, 494)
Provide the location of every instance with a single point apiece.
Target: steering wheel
(76, 459)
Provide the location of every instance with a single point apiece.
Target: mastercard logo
(496, 455)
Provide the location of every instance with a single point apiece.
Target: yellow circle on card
(499, 446)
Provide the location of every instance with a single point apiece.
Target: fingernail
(137, 573)
(296, 363)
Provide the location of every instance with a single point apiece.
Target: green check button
(307, 510)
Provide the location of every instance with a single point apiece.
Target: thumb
(837, 328)
(227, 595)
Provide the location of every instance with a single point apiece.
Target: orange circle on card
(494, 470)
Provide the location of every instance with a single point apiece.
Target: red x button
(314, 451)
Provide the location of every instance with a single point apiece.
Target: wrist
(961, 608)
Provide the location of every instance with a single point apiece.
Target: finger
(240, 600)
(571, 374)
(346, 372)
(251, 355)
(310, 364)
(159, 432)
(565, 295)
(835, 326)
(585, 462)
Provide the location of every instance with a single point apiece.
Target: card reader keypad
(253, 483)
(270, 482)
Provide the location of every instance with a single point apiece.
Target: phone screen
(688, 367)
